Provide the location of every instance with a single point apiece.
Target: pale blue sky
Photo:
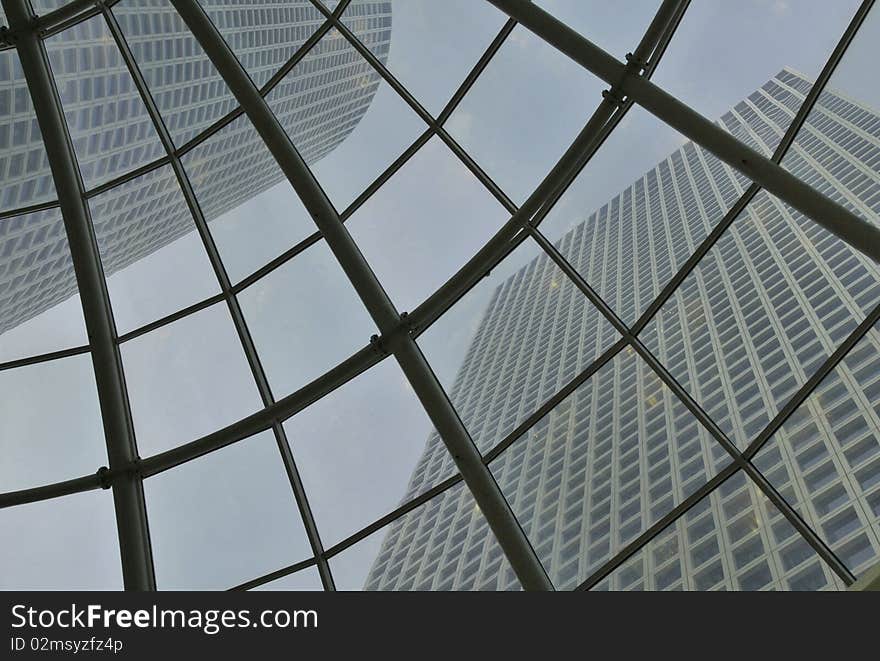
(229, 517)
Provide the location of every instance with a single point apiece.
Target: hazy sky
(230, 516)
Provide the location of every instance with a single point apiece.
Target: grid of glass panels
(672, 375)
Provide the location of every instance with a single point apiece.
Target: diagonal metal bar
(43, 357)
(697, 411)
(566, 168)
(21, 211)
(128, 496)
(235, 311)
(55, 490)
(273, 576)
(396, 337)
(657, 527)
(812, 383)
(778, 154)
(366, 531)
(857, 232)
(647, 56)
(420, 110)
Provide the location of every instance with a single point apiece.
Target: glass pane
(304, 318)
(515, 339)
(524, 111)
(187, 379)
(610, 460)
(616, 28)
(795, 36)
(40, 307)
(253, 213)
(852, 73)
(425, 223)
(187, 89)
(50, 423)
(433, 45)
(45, 6)
(64, 543)
(349, 128)
(734, 539)
(304, 579)
(108, 122)
(25, 178)
(264, 35)
(154, 260)
(826, 457)
(838, 148)
(629, 246)
(224, 518)
(360, 450)
(763, 309)
(408, 554)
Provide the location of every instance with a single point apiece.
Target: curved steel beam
(128, 495)
(837, 219)
(398, 341)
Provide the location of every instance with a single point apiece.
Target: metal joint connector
(105, 478)
(637, 65)
(611, 95)
(378, 346)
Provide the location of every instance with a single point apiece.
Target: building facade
(319, 103)
(772, 299)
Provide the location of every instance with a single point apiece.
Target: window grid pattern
(614, 455)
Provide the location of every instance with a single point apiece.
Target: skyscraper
(319, 102)
(767, 304)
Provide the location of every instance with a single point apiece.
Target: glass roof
(411, 295)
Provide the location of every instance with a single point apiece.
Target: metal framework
(629, 83)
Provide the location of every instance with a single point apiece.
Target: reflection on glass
(153, 258)
(264, 35)
(516, 339)
(304, 318)
(253, 213)
(25, 178)
(524, 111)
(733, 539)
(775, 296)
(356, 450)
(50, 423)
(414, 243)
(826, 457)
(350, 130)
(301, 581)
(40, 307)
(186, 87)
(64, 543)
(713, 84)
(611, 459)
(629, 246)
(224, 518)
(445, 544)
(187, 379)
(108, 122)
(444, 38)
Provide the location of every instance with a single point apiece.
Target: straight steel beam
(396, 337)
(857, 232)
(128, 496)
(779, 153)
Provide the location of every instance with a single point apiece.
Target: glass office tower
(772, 299)
(321, 103)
